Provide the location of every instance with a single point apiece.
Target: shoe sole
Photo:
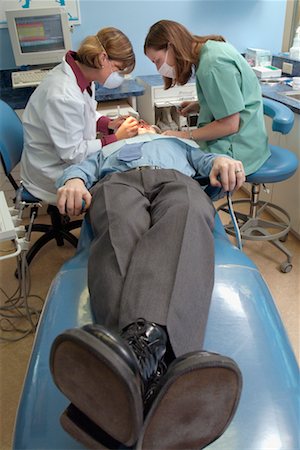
(81, 428)
(194, 406)
(99, 383)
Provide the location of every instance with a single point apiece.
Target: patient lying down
(148, 148)
(139, 376)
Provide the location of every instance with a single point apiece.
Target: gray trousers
(152, 256)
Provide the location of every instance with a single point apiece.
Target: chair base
(59, 229)
(254, 228)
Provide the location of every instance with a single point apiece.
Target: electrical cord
(16, 308)
(17, 317)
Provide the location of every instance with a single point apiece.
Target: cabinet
(156, 97)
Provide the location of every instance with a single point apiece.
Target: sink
(293, 94)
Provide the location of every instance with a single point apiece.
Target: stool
(59, 229)
(280, 166)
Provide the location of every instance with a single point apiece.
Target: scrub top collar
(82, 82)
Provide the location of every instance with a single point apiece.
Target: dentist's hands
(127, 129)
(227, 173)
(72, 196)
(187, 108)
(114, 124)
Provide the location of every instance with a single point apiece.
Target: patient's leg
(119, 216)
(171, 273)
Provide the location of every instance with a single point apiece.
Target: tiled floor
(14, 356)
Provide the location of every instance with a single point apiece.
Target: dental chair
(281, 165)
(243, 324)
(11, 147)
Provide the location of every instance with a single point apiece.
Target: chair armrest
(283, 117)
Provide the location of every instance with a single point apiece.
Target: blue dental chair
(243, 324)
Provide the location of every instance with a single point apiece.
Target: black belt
(140, 168)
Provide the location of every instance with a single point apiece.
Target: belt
(140, 168)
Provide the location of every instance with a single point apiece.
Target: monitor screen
(39, 36)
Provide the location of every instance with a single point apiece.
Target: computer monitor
(39, 36)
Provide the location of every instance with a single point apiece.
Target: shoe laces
(143, 349)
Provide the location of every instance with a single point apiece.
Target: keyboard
(28, 78)
(7, 228)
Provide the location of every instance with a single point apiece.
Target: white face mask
(166, 70)
(113, 80)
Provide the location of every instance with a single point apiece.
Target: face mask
(166, 70)
(114, 80)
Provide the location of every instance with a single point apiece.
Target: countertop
(18, 98)
(273, 91)
(156, 80)
(276, 92)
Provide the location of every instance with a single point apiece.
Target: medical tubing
(234, 221)
(16, 253)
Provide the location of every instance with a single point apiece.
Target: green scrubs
(227, 85)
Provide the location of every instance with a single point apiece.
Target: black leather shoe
(106, 375)
(153, 385)
(148, 342)
(196, 401)
(98, 372)
(81, 428)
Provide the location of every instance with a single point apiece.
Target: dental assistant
(61, 121)
(230, 118)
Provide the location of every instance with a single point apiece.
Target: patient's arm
(227, 173)
(71, 196)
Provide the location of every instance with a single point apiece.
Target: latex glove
(187, 108)
(129, 128)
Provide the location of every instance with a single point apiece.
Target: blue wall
(245, 23)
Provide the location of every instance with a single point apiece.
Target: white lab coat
(59, 130)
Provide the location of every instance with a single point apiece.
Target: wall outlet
(287, 68)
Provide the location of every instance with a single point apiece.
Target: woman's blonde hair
(167, 33)
(111, 40)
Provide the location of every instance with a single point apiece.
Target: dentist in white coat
(61, 121)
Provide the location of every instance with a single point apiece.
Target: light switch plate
(287, 68)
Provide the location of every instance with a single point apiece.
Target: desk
(18, 98)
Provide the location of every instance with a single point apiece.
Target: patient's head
(144, 127)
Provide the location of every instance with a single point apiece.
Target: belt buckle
(140, 168)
